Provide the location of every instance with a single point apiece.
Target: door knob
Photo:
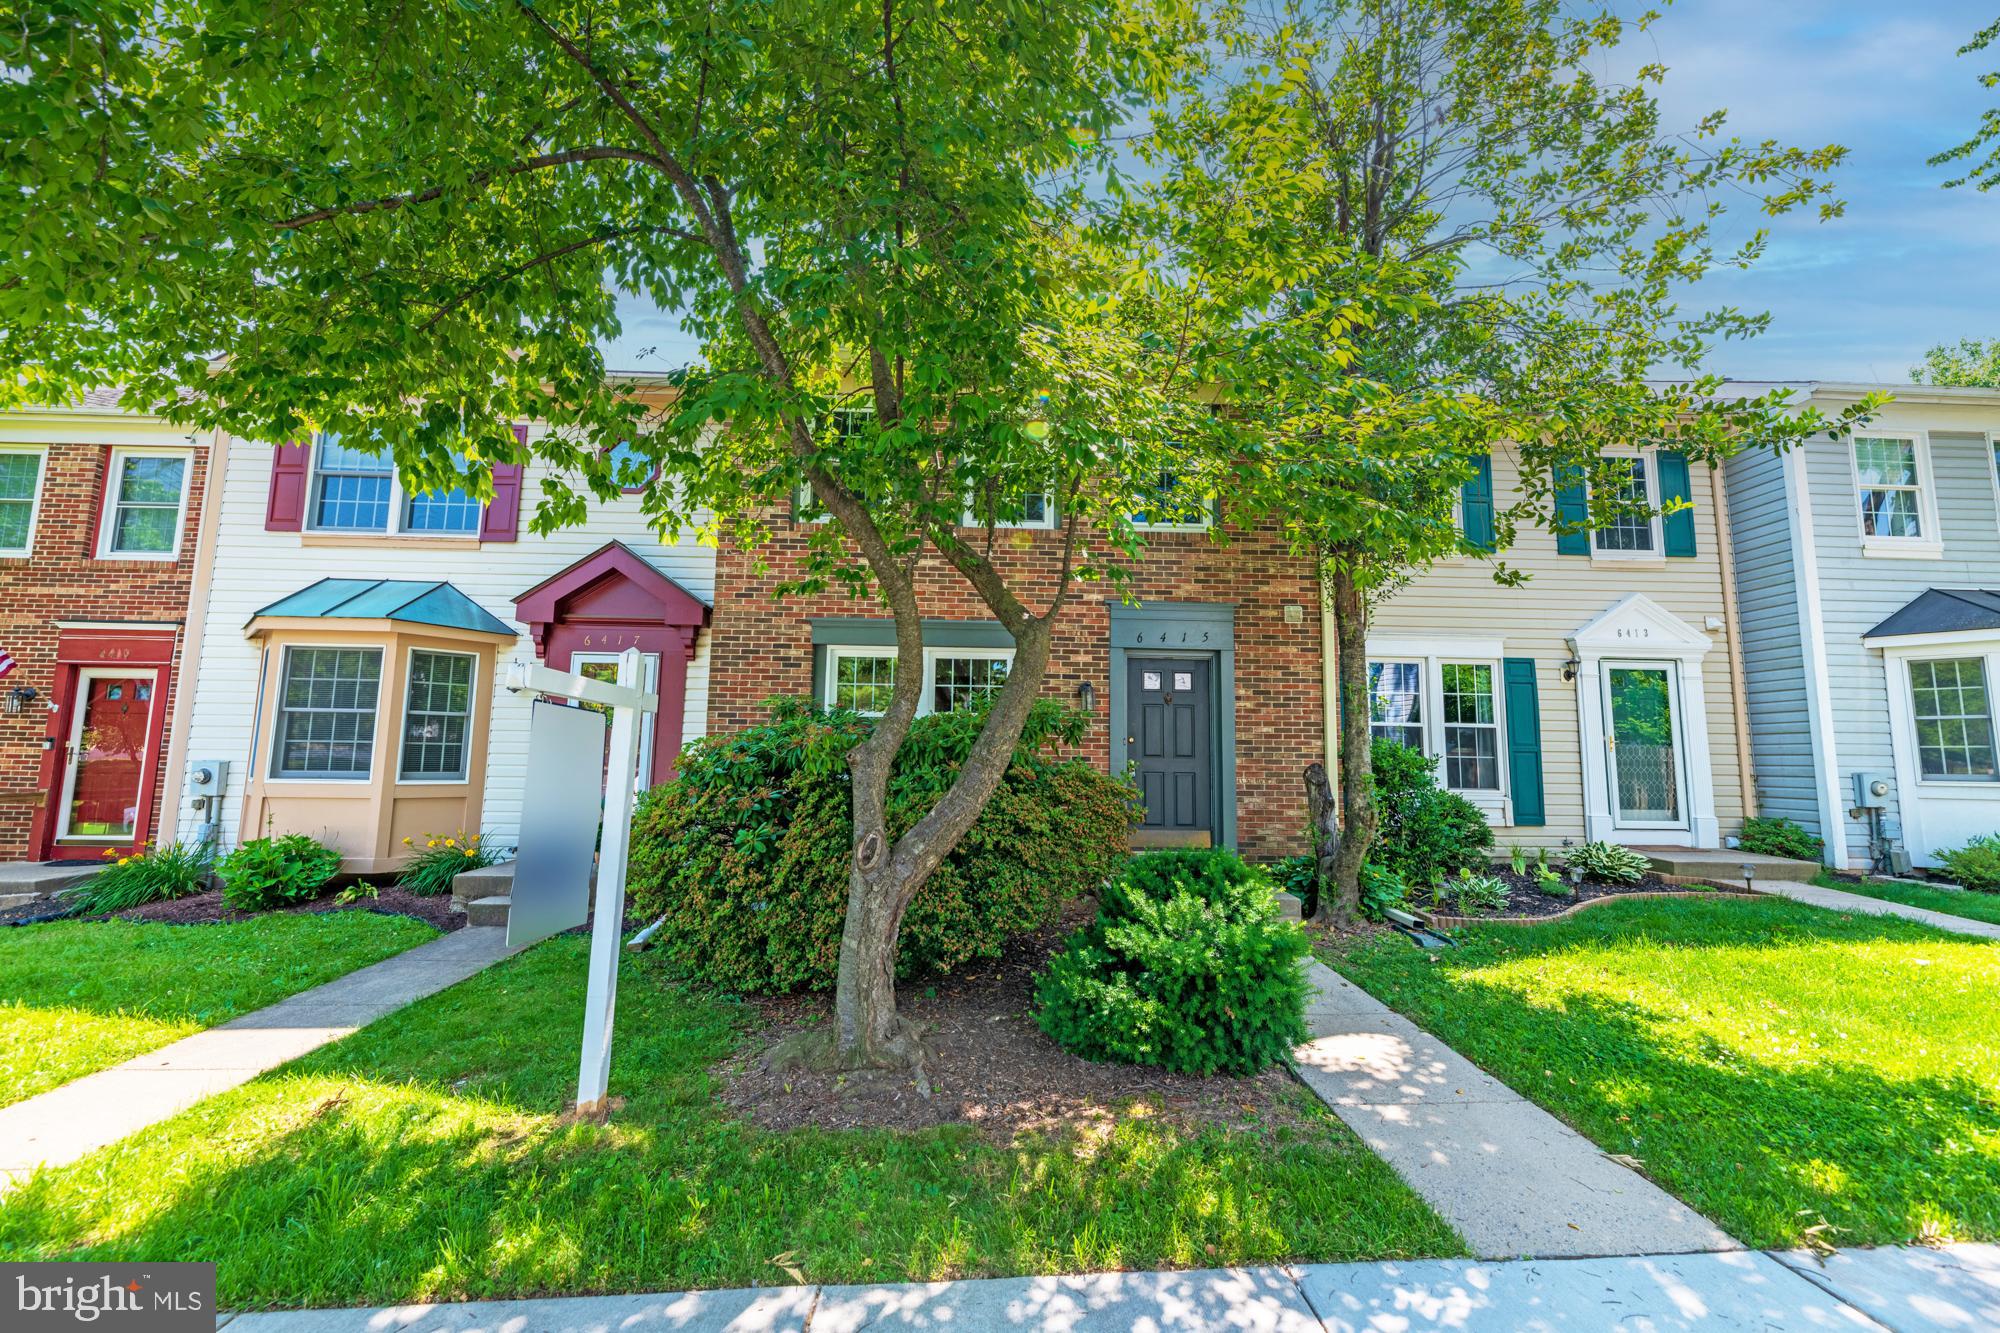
(1131, 740)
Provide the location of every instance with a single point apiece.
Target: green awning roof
(411, 601)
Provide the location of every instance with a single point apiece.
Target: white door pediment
(1637, 626)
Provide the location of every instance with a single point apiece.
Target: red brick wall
(762, 647)
(64, 580)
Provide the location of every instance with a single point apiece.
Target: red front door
(108, 757)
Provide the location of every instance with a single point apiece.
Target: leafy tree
(1420, 231)
(1971, 363)
(1982, 150)
(411, 225)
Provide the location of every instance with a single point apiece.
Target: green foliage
(1427, 833)
(1983, 148)
(1971, 364)
(1609, 863)
(1474, 894)
(1187, 966)
(1517, 859)
(276, 872)
(1975, 865)
(442, 857)
(1381, 889)
(746, 853)
(1551, 883)
(1774, 835)
(173, 871)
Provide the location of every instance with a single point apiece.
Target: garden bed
(201, 909)
(1527, 903)
(990, 1066)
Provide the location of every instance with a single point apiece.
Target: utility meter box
(1871, 791)
(207, 777)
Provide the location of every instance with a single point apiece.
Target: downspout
(193, 626)
(1725, 550)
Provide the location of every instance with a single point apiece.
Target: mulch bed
(202, 909)
(1525, 899)
(989, 1066)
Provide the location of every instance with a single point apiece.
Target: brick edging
(1439, 919)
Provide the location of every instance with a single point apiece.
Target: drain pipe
(639, 941)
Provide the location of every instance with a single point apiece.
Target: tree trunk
(1357, 777)
(1323, 816)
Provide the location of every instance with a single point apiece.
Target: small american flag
(6, 661)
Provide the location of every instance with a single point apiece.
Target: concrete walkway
(1904, 1290)
(1839, 900)
(1511, 1177)
(77, 1118)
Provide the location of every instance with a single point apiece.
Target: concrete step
(470, 887)
(8, 900)
(38, 879)
(1290, 907)
(1726, 865)
(488, 911)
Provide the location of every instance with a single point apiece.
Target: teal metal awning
(409, 601)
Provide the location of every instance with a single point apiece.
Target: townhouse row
(203, 636)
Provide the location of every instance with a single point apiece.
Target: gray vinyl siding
(1859, 591)
(1767, 600)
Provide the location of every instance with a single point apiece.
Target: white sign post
(626, 702)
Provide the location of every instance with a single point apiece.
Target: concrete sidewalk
(1904, 1290)
(77, 1118)
(1839, 900)
(1511, 1177)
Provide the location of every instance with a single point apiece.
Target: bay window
(436, 714)
(1952, 711)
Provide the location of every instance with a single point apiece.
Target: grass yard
(1770, 1063)
(1971, 906)
(80, 996)
(427, 1157)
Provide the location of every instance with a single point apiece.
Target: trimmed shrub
(746, 853)
(442, 858)
(276, 872)
(1187, 966)
(150, 876)
(1774, 835)
(1608, 863)
(1975, 865)
(1426, 833)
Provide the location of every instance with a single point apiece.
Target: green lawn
(425, 1157)
(1972, 906)
(1771, 1063)
(79, 996)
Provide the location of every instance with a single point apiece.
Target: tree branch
(541, 162)
(550, 257)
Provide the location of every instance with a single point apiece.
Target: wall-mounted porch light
(1570, 668)
(19, 698)
(1086, 696)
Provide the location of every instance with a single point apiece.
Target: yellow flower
(110, 852)
(432, 843)
(450, 842)
(123, 860)
(406, 842)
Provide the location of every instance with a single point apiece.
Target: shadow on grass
(1617, 1022)
(427, 1157)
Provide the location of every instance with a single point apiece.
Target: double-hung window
(861, 680)
(1953, 713)
(1892, 486)
(1627, 533)
(1175, 507)
(20, 494)
(144, 504)
(327, 704)
(356, 490)
(436, 714)
(844, 423)
(1030, 510)
(1447, 707)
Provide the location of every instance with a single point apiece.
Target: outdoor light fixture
(20, 697)
(1576, 876)
(1749, 874)
(1086, 696)
(1570, 668)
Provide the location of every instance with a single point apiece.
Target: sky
(1858, 298)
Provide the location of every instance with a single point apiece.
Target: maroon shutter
(285, 509)
(502, 520)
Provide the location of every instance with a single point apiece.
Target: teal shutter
(1572, 506)
(1524, 741)
(1678, 526)
(1476, 499)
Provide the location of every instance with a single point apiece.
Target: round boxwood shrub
(746, 852)
(1427, 834)
(1774, 835)
(1187, 966)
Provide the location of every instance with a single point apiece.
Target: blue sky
(1857, 298)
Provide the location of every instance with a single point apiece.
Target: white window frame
(398, 508)
(403, 718)
(1656, 554)
(835, 652)
(41, 457)
(1496, 803)
(348, 780)
(1207, 520)
(107, 519)
(1929, 544)
(1046, 523)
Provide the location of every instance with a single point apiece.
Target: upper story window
(326, 713)
(630, 468)
(20, 494)
(1893, 486)
(1033, 510)
(1628, 532)
(354, 490)
(1176, 507)
(144, 504)
(845, 422)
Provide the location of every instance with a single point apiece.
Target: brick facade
(63, 579)
(763, 647)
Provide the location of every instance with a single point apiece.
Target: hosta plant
(1608, 863)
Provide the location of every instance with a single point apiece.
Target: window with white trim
(356, 490)
(1952, 710)
(861, 680)
(1627, 533)
(958, 676)
(845, 423)
(1448, 708)
(20, 496)
(1032, 510)
(437, 714)
(1892, 488)
(144, 503)
(327, 704)
(1177, 507)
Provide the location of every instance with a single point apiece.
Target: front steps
(1726, 865)
(23, 882)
